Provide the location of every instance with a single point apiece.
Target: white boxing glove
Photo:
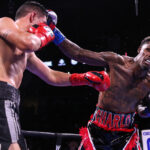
(52, 17)
(51, 22)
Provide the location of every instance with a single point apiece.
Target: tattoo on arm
(5, 34)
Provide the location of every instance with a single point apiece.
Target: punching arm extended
(98, 80)
(75, 52)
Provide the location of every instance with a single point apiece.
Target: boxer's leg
(11, 137)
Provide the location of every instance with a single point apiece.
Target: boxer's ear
(139, 49)
(32, 16)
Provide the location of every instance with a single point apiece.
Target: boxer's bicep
(74, 51)
(110, 57)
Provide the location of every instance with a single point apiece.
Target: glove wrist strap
(59, 37)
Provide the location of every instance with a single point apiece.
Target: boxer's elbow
(143, 111)
(30, 44)
(34, 44)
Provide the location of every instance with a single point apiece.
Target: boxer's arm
(22, 40)
(98, 80)
(75, 52)
(52, 77)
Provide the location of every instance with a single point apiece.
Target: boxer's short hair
(144, 41)
(28, 7)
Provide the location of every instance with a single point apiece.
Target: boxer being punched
(112, 125)
(19, 40)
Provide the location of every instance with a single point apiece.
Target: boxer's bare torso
(12, 63)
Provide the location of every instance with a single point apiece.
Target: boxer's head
(146, 40)
(144, 52)
(32, 11)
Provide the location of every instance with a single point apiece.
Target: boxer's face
(38, 20)
(34, 18)
(144, 55)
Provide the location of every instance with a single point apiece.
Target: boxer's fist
(97, 79)
(51, 22)
(51, 19)
(44, 32)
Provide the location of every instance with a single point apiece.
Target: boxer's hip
(8, 92)
(10, 131)
(112, 121)
(110, 130)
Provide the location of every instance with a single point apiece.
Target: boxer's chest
(126, 78)
(20, 58)
(122, 75)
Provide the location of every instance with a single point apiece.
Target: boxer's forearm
(57, 78)
(73, 51)
(50, 76)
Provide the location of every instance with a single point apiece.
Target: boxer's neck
(23, 24)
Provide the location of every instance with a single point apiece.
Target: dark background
(98, 25)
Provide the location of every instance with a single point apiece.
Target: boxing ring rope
(58, 136)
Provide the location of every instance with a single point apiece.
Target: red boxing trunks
(110, 131)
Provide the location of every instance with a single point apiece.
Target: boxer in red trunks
(112, 126)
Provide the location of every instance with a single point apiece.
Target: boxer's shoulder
(6, 19)
(6, 22)
(126, 59)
